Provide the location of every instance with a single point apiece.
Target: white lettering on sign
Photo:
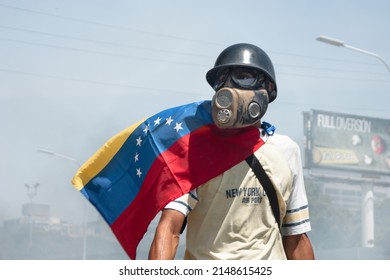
(343, 123)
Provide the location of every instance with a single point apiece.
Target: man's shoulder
(284, 144)
(282, 140)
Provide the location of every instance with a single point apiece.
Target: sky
(74, 73)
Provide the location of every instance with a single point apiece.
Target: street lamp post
(52, 153)
(367, 192)
(338, 43)
(31, 193)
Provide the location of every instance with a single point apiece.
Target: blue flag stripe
(113, 189)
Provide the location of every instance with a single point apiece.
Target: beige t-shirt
(230, 216)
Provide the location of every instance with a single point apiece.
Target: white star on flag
(146, 129)
(139, 173)
(157, 121)
(169, 120)
(139, 141)
(136, 157)
(178, 127)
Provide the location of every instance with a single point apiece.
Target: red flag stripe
(191, 161)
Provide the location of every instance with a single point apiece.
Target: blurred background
(74, 73)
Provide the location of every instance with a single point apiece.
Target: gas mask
(236, 108)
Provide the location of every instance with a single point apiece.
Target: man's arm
(166, 239)
(298, 247)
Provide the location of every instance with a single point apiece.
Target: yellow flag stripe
(101, 158)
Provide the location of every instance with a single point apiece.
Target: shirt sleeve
(185, 203)
(297, 219)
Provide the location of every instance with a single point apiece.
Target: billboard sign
(347, 142)
(37, 210)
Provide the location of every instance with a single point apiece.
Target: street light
(32, 191)
(52, 153)
(338, 43)
(367, 201)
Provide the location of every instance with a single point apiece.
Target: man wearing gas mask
(230, 216)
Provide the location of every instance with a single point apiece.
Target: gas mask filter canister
(235, 108)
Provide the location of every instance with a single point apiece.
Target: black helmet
(245, 55)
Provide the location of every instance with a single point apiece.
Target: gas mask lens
(254, 110)
(244, 78)
(224, 98)
(247, 78)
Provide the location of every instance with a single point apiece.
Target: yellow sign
(333, 156)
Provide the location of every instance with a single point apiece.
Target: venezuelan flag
(138, 171)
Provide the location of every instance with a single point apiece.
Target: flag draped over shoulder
(138, 171)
